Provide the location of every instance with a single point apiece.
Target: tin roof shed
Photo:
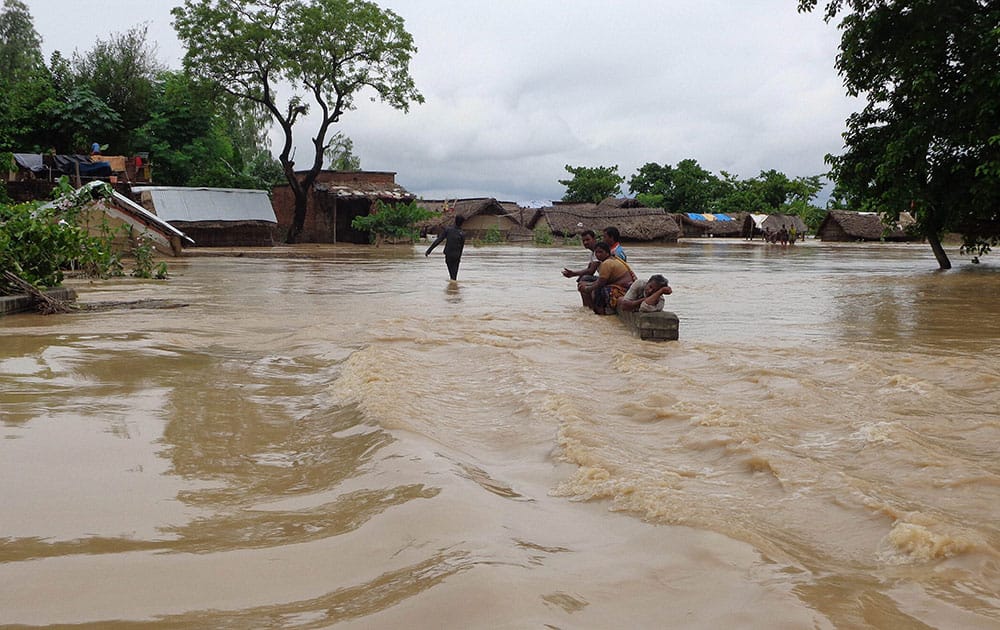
(175, 203)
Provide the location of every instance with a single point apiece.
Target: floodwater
(338, 437)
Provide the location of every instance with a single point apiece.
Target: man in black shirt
(454, 239)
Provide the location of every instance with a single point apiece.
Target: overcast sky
(516, 90)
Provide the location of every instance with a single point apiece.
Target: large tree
(23, 76)
(591, 183)
(324, 51)
(928, 140)
(20, 45)
(686, 187)
(652, 183)
(121, 71)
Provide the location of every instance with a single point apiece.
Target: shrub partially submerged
(40, 243)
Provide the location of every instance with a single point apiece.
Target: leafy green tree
(182, 116)
(686, 187)
(39, 243)
(197, 137)
(121, 72)
(341, 154)
(20, 46)
(23, 76)
(740, 195)
(77, 117)
(327, 51)
(397, 220)
(247, 125)
(591, 184)
(928, 140)
(694, 188)
(651, 184)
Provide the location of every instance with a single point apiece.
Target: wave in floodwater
(824, 432)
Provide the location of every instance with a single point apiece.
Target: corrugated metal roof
(174, 203)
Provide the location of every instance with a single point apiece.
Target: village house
(482, 216)
(634, 222)
(213, 217)
(108, 215)
(843, 225)
(706, 224)
(336, 198)
(756, 225)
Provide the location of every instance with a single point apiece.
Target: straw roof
(446, 210)
(843, 225)
(635, 223)
(715, 227)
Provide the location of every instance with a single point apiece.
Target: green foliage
(40, 243)
(576, 240)
(20, 45)
(396, 221)
(120, 72)
(685, 188)
(77, 117)
(197, 137)
(591, 184)
(145, 262)
(693, 190)
(24, 81)
(340, 152)
(651, 184)
(925, 141)
(690, 188)
(542, 235)
(249, 48)
(491, 236)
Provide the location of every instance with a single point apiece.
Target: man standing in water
(454, 239)
(588, 274)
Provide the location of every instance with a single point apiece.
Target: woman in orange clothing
(614, 277)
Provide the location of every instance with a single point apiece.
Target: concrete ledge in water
(10, 304)
(657, 326)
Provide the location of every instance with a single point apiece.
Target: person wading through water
(454, 239)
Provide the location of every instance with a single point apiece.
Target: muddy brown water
(338, 437)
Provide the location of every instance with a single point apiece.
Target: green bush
(542, 235)
(396, 221)
(492, 236)
(39, 243)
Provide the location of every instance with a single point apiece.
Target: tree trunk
(299, 216)
(938, 249)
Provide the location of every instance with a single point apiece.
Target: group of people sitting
(608, 285)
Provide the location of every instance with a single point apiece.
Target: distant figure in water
(454, 239)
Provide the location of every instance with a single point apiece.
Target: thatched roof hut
(481, 216)
(754, 225)
(635, 223)
(704, 224)
(336, 199)
(843, 225)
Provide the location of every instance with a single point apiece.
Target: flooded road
(338, 437)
